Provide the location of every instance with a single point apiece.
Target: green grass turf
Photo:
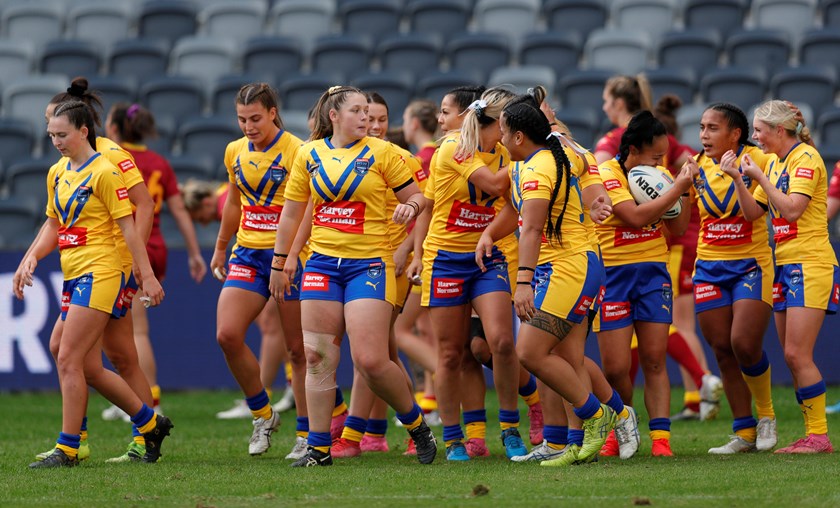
(206, 463)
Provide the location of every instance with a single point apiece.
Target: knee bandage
(320, 377)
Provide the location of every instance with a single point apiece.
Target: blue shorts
(100, 291)
(126, 299)
(720, 283)
(344, 280)
(811, 285)
(250, 269)
(569, 287)
(636, 292)
(453, 278)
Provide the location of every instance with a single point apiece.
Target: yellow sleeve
(465, 167)
(395, 170)
(50, 211)
(592, 176)
(111, 189)
(616, 185)
(536, 184)
(120, 158)
(297, 188)
(805, 172)
(230, 156)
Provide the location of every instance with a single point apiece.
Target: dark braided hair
(465, 95)
(79, 114)
(79, 91)
(523, 114)
(641, 131)
(736, 119)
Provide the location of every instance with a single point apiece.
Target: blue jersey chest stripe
(335, 188)
(242, 184)
(64, 212)
(357, 181)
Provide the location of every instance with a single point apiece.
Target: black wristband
(686, 195)
(275, 269)
(279, 255)
(526, 269)
(522, 282)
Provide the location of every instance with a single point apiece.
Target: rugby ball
(648, 183)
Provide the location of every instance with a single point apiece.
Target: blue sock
(575, 437)
(529, 388)
(508, 416)
(339, 397)
(759, 368)
(476, 415)
(809, 392)
(302, 424)
(556, 434)
(356, 423)
(588, 409)
(452, 433)
(743, 423)
(143, 416)
(615, 403)
(319, 439)
(377, 426)
(660, 424)
(258, 401)
(84, 423)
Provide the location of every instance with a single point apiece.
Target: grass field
(206, 464)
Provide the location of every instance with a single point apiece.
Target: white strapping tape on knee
(321, 377)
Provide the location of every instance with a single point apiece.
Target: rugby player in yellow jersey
(806, 284)
(348, 283)
(86, 198)
(257, 166)
(733, 276)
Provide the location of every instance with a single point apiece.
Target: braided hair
(262, 93)
(523, 114)
(79, 114)
(641, 131)
(736, 119)
(465, 95)
(332, 99)
(79, 91)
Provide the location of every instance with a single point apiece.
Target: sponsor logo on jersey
(260, 218)
(65, 301)
(469, 218)
(706, 293)
(315, 282)
(122, 193)
(447, 288)
(614, 311)
(835, 294)
(784, 230)
(71, 237)
(612, 184)
(242, 273)
(778, 295)
(421, 175)
(805, 173)
(593, 170)
(126, 165)
(628, 236)
(727, 231)
(532, 185)
(346, 216)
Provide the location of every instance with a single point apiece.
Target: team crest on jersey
(795, 277)
(752, 274)
(374, 270)
(278, 173)
(312, 168)
(361, 166)
(84, 194)
(784, 182)
(667, 293)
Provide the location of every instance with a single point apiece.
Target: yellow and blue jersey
(801, 171)
(86, 202)
(260, 176)
(349, 186)
(724, 233)
(398, 232)
(622, 244)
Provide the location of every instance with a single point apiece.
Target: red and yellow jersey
(425, 154)
(86, 202)
(724, 233)
(535, 178)
(349, 186)
(160, 181)
(834, 182)
(622, 244)
(261, 177)
(801, 171)
(461, 210)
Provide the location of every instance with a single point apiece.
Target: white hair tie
(478, 105)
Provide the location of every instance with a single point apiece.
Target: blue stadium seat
(558, 50)
(140, 59)
(581, 16)
(397, 88)
(435, 85)
(224, 92)
(370, 18)
(620, 51)
(272, 57)
(723, 16)
(769, 49)
(35, 22)
(830, 13)
(19, 217)
(17, 140)
(742, 86)
(479, 52)
(520, 79)
(239, 20)
(205, 58)
(446, 18)
(113, 89)
(302, 92)
(167, 19)
(71, 58)
(814, 86)
(27, 97)
(820, 47)
(415, 52)
(173, 97)
(582, 124)
(790, 16)
(694, 49)
(102, 22)
(348, 55)
(303, 20)
(207, 137)
(654, 17)
(584, 89)
(17, 59)
(512, 18)
(828, 126)
(680, 81)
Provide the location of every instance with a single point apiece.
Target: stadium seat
(272, 57)
(446, 18)
(820, 47)
(16, 59)
(19, 217)
(513, 18)
(303, 91)
(17, 140)
(371, 18)
(71, 58)
(167, 19)
(162, 143)
(140, 59)
(790, 16)
(769, 49)
(830, 13)
(582, 124)
(742, 86)
(479, 52)
(558, 50)
(415, 52)
(238, 20)
(186, 166)
(620, 51)
(224, 91)
(584, 89)
(348, 55)
(814, 86)
(397, 88)
(688, 119)
(207, 137)
(828, 127)
(435, 85)
(205, 58)
(831, 156)
(680, 81)
(296, 121)
(27, 97)
(303, 20)
(654, 17)
(113, 89)
(588, 15)
(35, 22)
(173, 97)
(105, 22)
(520, 79)
(723, 16)
(28, 177)
(694, 49)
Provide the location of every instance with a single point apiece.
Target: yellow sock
(83, 435)
(268, 392)
(263, 412)
(476, 430)
(747, 434)
(599, 413)
(150, 426)
(339, 409)
(625, 413)
(322, 449)
(555, 446)
(140, 440)
(760, 389)
(351, 435)
(289, 372)
(449, 443)
(805, 417)
(411, 426)
(532, 399)
(508, 425)
(660, 434)
(68, 450)
(302, 433)
(692, 397)
(814, 409)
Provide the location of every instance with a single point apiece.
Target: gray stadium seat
(513, 18)
(71, 58)
(113, 89)
(680, 81)
(205, 58)
(654, 17)
(828, 126)
(814, 86)
(17, 59)
(296, 122)
(820, 47)
(105, 22)
(584, 89)
(140, 59)
(742, 86)
(694, 49)
(446, 18)
(186, 166)
(233, 19)
(304, 20)
(370, 18)
(622, 52)
(302, 92)
(416, 52)
(830, 13)
(723, 16)
(207, 137)
(19, 217)
(167, 19)
(173, 97)
(435, 85)
(224, 92)
(688, 119)
(272, 57)
(582, 124)
(397, 88)
(522, 78)
(37, 23)
(28, 177)
(17, 140)
(162, 143)
(769, 49)
(346, 54)
(790, 16)
(27, 97)
(479, 52)
(558, 50)
(588, 15)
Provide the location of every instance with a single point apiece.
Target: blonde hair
(477, 116)
(333, 98)
(633, 90)
(775, 113)
(195, 191)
